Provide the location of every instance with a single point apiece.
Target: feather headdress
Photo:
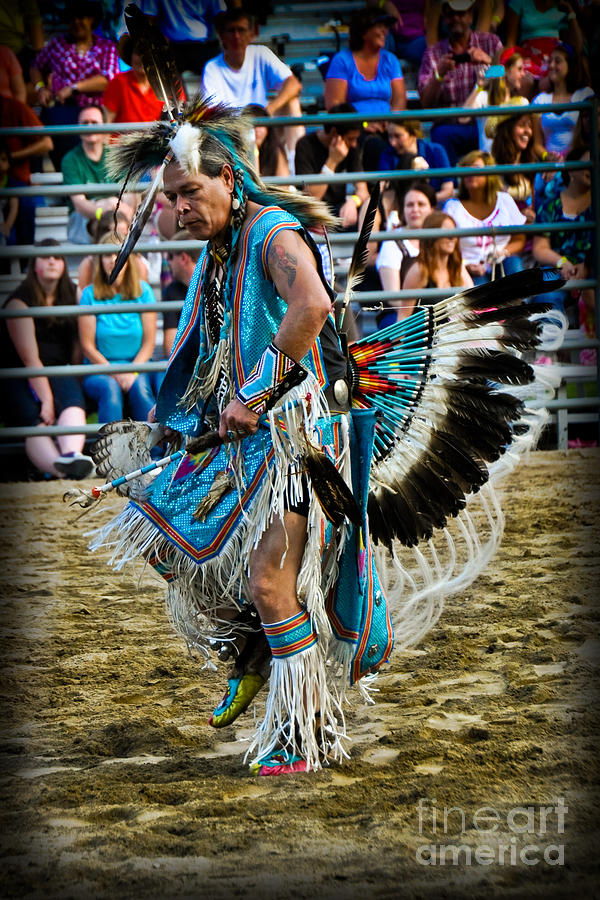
(199, 135)
(202, 139)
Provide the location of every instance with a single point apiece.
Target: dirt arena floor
(473, 776)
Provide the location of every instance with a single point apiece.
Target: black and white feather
(439, 381)
(122, 447)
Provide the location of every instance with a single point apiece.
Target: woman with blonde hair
(97, 228)
(127, 337)
(496, 86)
(481, 202)
(439, 263)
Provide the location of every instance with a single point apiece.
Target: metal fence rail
(339, 240)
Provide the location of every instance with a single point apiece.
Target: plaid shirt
(61, 59)
(458, 84)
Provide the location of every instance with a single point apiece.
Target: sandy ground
(114, 786)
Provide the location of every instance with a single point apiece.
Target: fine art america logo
(519, 836)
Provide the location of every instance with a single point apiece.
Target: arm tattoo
(285, 261)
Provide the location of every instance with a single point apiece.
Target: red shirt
(14, 114)
(124, 97)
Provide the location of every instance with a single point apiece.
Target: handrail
(361, 298)
(27, 251)
(364, 299)
(113, 188)
(317, 119)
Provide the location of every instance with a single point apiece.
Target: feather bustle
(435, 377)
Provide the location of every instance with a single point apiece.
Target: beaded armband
(272, 376)
(290, 636)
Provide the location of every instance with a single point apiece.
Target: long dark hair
(574, 77)
(504, 150)
(427, 257)
(270, 149)
(420, 185)
(66, 293)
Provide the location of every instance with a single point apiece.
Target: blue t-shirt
(118, 335)
(366, 96)
(434, 154)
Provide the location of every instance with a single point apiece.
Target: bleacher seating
(303, 33)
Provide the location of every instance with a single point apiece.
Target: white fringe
(202, 386)
(185, 147)
(417, 580)
(199, 594)
(299, 691)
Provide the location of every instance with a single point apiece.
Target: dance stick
(117, 482)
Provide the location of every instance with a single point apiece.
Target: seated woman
(396, 255)
(569, 251)
(97, 228)
(554, 130)
(439, 263)
(45, 342)
(513, 143)
(118, 338)
(407, 34)
(367, 76)
(481, 202)
(537, 27)
(271, 158)
(407, 137)
(496, 86)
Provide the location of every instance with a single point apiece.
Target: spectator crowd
(516, 55)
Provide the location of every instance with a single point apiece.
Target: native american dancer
(266, 534)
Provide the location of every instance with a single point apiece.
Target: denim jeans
(555, 298)
(511, 264)
(457, 138)
(107, 393)
(410, 49)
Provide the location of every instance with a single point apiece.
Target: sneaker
(74, 465)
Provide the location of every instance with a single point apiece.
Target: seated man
(449, 72)
(182, 264)
(86, 164)
(332, 149)
(72, 71)
(247, 73)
